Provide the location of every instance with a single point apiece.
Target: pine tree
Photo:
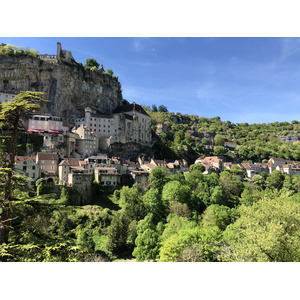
(12, 116)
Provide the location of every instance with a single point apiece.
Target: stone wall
(69, 87)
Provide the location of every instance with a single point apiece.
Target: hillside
(191, 136)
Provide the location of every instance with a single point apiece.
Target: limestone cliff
(69, 86)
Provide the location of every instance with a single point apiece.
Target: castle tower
(88, 113)
(58, 49)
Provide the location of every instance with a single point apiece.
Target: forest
(188, 217)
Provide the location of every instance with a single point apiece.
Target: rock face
(69, 87)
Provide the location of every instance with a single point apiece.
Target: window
(33, 167)
(24, 168)
(42, 161)
(33, 175)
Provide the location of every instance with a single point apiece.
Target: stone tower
(88, 113)
(59, 50)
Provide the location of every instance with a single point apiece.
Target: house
(48, 163)
(27, 166)
(213, 161)
(67, 165)
(277, 161)
(107, 176)
(148, 167)
(250, 169)
(140, 177)
(158, 162)
(87, 141)
(81, 180)
(230, 145)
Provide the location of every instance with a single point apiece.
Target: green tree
(12, 116)
(198, 167)
(219, 151)
(154, 108)
(117, 233)
(158, 178)
(217, 215)
(275, 180)
(174, 191)
(162, 108)
(258, 180)
(219, 140)
(90, 62)
(154, 204)
(110, 72)
(269, 230)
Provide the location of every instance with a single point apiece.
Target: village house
(67, 165)
(27, 166)
(81, 180)
(87, 142)
(213, 161)
(250, 169)
(48, 163)
(107, 176)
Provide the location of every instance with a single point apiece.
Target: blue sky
(254, 80)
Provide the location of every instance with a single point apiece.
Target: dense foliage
(191, 218)
(191, 136)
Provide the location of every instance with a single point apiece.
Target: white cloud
(289, 46)
(141, 44)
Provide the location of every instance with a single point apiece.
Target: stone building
(129, 123)
(47, 163)
(81, 180)
(107, 175)
(46, 122)
(27, 166)
(6, 97)
(87, 141)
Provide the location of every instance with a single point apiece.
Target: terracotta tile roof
(47, 156)
(227, 165)
(212, 159)
(22, 158)
(150, 166)
(64, 163)
(245, 166)
(277, 159)
(70, 162)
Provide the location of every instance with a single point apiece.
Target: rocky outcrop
(290, 138)
(180, 119)
(69, 87)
